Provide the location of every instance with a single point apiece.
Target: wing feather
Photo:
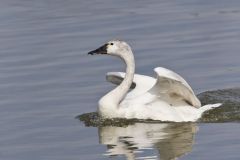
(171, 84)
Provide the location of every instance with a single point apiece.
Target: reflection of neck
(169, 139)
(117, 94)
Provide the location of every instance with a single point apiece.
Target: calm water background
(46, 78)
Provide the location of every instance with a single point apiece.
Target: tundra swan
(168, 97)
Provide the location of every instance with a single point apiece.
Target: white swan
(166, 98)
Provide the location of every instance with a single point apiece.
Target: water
(46, 78)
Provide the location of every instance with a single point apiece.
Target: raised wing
(141, 84)
(173, 87)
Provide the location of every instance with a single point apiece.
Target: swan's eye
(111, 44)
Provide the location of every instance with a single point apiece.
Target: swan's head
(114, 47)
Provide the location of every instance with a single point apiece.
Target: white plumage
(168, 97)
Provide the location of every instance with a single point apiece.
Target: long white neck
(114, 97)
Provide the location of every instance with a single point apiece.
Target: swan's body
(166, 98)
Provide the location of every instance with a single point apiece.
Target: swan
(168, 97)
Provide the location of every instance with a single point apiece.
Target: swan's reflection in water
(170, 140)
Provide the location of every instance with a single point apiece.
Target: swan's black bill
(100, 50)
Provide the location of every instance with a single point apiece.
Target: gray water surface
(46, 78)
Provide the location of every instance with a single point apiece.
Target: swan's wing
(173, 85)
(141, 83)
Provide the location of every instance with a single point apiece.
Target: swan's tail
(209, 107)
